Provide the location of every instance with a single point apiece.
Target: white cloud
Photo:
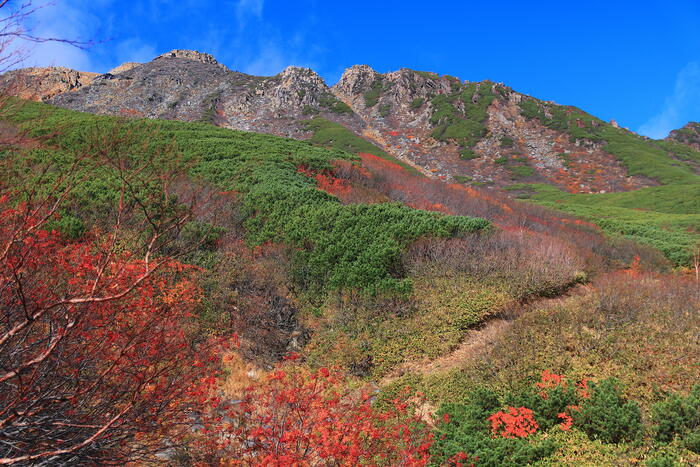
(61, 20)
(680, 107)
(245, 9)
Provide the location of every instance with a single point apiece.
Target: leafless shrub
(530, 263)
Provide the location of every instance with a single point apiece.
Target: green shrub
(468, 431)
(522, 171)
(417, 103)
(308, 110)
(663, 460)
(607, 415)
(501, 160)
(464, 127)
(677, 416)
(691, 442)
(384, 110)
(374, 92)
(335, 105)
(468, 154)
(68, 225)
(506, 142)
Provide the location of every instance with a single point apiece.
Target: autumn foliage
(513, 423)
(97, 366)
(296, 417)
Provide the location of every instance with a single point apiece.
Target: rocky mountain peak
(356, 80)
(189, 55)
(123, 67)
(294, 75)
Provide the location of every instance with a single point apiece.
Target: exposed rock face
(123, 67)
(399, 119)
(190, 55)
(688, 135)
(193, 86)
(449, 129)
(39, 84)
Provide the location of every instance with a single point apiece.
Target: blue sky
(635, 61)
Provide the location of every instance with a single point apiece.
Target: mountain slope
(484, 133)
(472, 133)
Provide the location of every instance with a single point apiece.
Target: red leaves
(549, 381)
(567, 421)
(296, 418)
(328, 183)
(635, 269)
(459, 459)
(100, 331)
(515, 423)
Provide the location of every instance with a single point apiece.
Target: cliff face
(39, 84)
(476, 131)
(480, 133)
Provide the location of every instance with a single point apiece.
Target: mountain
(688, 135)
(480, 133)
(44, 83)
(218, 280)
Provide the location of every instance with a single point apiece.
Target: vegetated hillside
(393, 278)
(441, 125)
(474, 134)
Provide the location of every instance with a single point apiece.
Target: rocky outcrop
(40, 84)
(123, 67)
(688, 135)
(459, 131)
(190, 55)
(399, 111)
(192, 86)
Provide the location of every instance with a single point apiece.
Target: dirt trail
(477, 341)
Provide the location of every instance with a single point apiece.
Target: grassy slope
(336, 246)
(666, 217)
(336, 136)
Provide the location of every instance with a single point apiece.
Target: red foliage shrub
(567, 421)
(549, 381)
(297, 418)
(583, 238)
(96, 363)
(515, 423)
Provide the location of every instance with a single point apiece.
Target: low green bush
(468, 430)
(608, 415)
(678, 417)
(417, 103)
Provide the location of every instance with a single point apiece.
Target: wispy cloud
(61, 20)
(79, 20)
(247, 9)
(679, 107)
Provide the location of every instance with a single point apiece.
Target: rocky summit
(475, 133)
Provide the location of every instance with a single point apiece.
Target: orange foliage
(296, 417)
(515, 423)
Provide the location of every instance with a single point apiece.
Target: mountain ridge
(477, 133)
